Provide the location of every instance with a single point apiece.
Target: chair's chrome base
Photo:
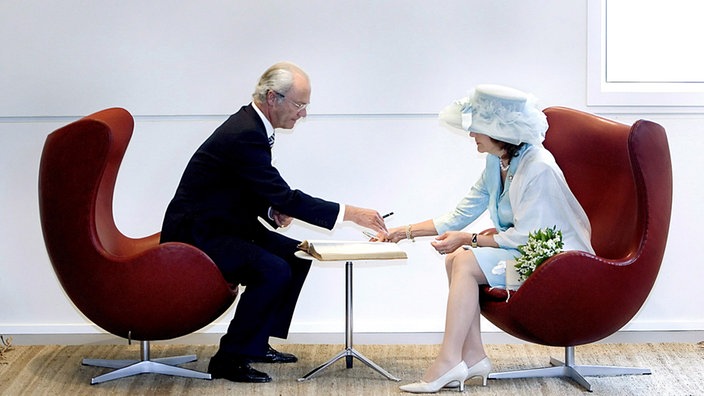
(349, 353)
(127, 368)
(568, 369)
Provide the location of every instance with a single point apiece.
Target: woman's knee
(464, 262)
(450, 260)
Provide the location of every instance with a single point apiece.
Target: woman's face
(486, 145)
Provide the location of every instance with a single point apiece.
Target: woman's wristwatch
(474, 240)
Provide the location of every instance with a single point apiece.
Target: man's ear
(270, 98)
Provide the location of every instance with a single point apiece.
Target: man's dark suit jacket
(230, 181)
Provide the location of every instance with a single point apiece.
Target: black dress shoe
(236, 370)
(274, 356)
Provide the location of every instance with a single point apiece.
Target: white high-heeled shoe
(480, 369)
(457, 374)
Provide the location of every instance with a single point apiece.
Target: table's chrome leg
(349, 353)
(348, 312)
(323, 366)
(373, 365)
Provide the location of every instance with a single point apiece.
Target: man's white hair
(279, 79)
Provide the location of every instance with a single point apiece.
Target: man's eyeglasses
(299, 106)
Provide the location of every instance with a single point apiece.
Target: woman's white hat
(503, 113)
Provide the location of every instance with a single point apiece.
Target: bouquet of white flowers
(542, 244)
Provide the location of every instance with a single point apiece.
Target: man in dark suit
(229, 183)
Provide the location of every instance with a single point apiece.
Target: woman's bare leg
(462, 338)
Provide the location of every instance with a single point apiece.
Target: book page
(342, 250)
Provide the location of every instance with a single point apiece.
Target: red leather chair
(134, 288)
(622, 176)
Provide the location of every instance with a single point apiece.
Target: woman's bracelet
(409, 234)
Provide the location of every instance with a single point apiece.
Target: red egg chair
(134, 288)
(621, 174)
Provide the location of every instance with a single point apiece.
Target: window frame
(600, 92)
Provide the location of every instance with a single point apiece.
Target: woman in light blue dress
(523, 190)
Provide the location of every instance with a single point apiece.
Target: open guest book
(342, 250)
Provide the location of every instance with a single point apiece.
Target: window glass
(646, 52)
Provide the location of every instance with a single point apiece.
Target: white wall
(379, 72)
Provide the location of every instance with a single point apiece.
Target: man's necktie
(271, 139)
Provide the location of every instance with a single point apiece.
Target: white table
(349, 353)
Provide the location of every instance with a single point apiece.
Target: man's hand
(368, 218)
(281, 219)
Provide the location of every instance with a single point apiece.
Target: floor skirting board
(359, 338)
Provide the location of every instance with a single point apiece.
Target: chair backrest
(76, 182)
(595, 155)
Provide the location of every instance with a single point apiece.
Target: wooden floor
(677, 369)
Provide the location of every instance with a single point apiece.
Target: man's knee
(274, 270)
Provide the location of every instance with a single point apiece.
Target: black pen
(387, 215)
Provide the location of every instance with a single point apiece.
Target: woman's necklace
(504, 168)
